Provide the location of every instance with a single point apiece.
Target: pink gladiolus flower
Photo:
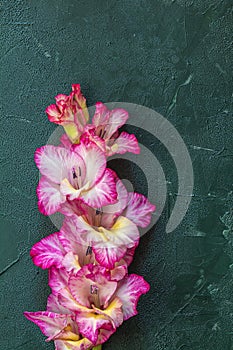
(104, 131)
(71, 174)
(97, 301)
(111, 230)
(71, 112)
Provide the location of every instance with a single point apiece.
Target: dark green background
(140, 52)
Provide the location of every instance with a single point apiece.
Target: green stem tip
(98, 347)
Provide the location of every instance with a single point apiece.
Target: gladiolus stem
(98, 347)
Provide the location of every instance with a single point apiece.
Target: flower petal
(108, 256)
(118, 117)
(90, 275)
(48, 252)
(49, 196)
(50, 323)
(103, 193)
(82, 344)
(94, 158)
(101, 115)
(53, 305)
(58, 279)
(123, 233)
(139, 209)
(113, 312)
(124, 143)
(110, 212)
(129, 291)
(90, 325)
(53, 114)
(55, 162)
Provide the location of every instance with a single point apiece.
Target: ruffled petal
(139, 209)
(110, 212)
(129, 291)
(50, 323)
(113, 312)
(49, 196)
(90, 325)
(101, 115)
(90, 276)
(55, 162)
(108, 256)
(123, 233)
(124, 143)
(103, 193)
(118, 117)
(94, 158)
(53, 114)
(53, 305)
(58, 279)
(48, 252)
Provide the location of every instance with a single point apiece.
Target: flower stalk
(92, 292)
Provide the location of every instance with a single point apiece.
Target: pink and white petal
(103, 193)
(53, 305)
(90, 325)
(105, 333)
(53, 114)
(80, 285)
(49, 196)
(56, 162)
(118, 273)
(110, 212)
(124, 143)
(71, 262)
(49, 323)
(48, 252)
(67, 301)
(118, 117)
(71, 240)
(68, 190)
(129, 292)
(108, 256)
(123, 233)
(139, 209)
(113, 312)
(69, 208)
(94, 158)
(101, 115)
(58, 279)
(128, 257)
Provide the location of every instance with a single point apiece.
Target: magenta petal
(124, 143)
(107, 257)
(49, 196)
(53, 305)
(129, 292)
(89, 275)
(50, 323)
(48, 252)
(103, 193)
(90, 325)
(101, 115)
(139, 209)
(58, 279)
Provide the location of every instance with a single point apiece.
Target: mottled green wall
(140, 52)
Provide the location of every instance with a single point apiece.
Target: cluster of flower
(92, 292)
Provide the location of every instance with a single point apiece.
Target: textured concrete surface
(141, 52)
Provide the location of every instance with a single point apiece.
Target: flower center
(76, 174)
